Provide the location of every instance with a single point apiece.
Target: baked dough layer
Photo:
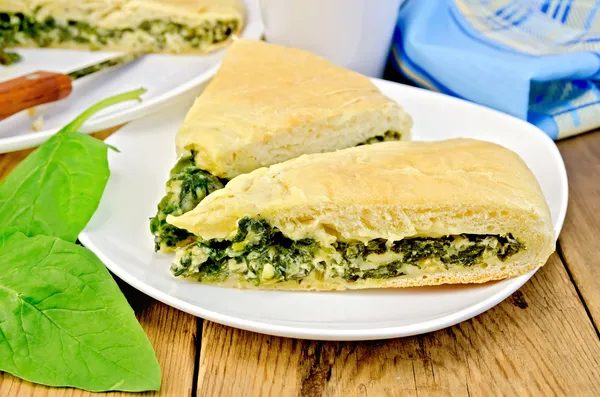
(269, 103)
(391, 191)
(130, 25)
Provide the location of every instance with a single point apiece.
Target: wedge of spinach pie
(392, 214)
(172, 26)
(268, 104)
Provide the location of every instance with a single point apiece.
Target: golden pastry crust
(268, 104)
(391, 190)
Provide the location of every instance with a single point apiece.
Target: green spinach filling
(178, 202)
(259, 253)
(18, 29)
(387, 136)
(186, 187)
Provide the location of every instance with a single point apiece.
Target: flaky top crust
(387, 190)
(269, 103)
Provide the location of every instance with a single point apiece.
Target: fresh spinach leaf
(57, 188)
(64, 321)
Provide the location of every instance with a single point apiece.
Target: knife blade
(104, 65)
(41, 87)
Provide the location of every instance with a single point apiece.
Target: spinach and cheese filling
(18, 29)
(387, 136)
(186, 187)
(260, 254)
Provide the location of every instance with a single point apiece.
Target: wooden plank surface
(539, 342)
(580, 239)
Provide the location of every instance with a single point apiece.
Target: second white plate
(119, 235)
(164, 76)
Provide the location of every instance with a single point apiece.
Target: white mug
(355, 34)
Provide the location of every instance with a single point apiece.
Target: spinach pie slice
(265, 105)
(171, 26)
(392, 214)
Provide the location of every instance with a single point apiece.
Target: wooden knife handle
(31, 90)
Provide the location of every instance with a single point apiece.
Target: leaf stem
(74, 125)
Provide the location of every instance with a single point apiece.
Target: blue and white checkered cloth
(538, 60)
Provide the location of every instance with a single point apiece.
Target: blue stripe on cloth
(512, 14)
(506, 13)
(590, 40)
(472, 33)
(545, 6)
(587, 39)
(591, 16)
(575, 108)
(508, 6)
(501, 10)
(557, 9)
(567, 11)
(523, 18)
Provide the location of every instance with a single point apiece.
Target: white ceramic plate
(118, 233)
(165, 77)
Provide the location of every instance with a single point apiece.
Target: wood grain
(173, 334)
(581, 232)
(538, 342)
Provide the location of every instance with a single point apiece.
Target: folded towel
(536, 60)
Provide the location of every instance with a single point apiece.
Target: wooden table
(541, 341)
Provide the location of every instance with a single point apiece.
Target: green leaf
(74, 125)
(57, 188)
(64, 321)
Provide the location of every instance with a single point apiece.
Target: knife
(40, 87)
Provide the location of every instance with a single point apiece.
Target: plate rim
(252, 30)
(315, 333)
